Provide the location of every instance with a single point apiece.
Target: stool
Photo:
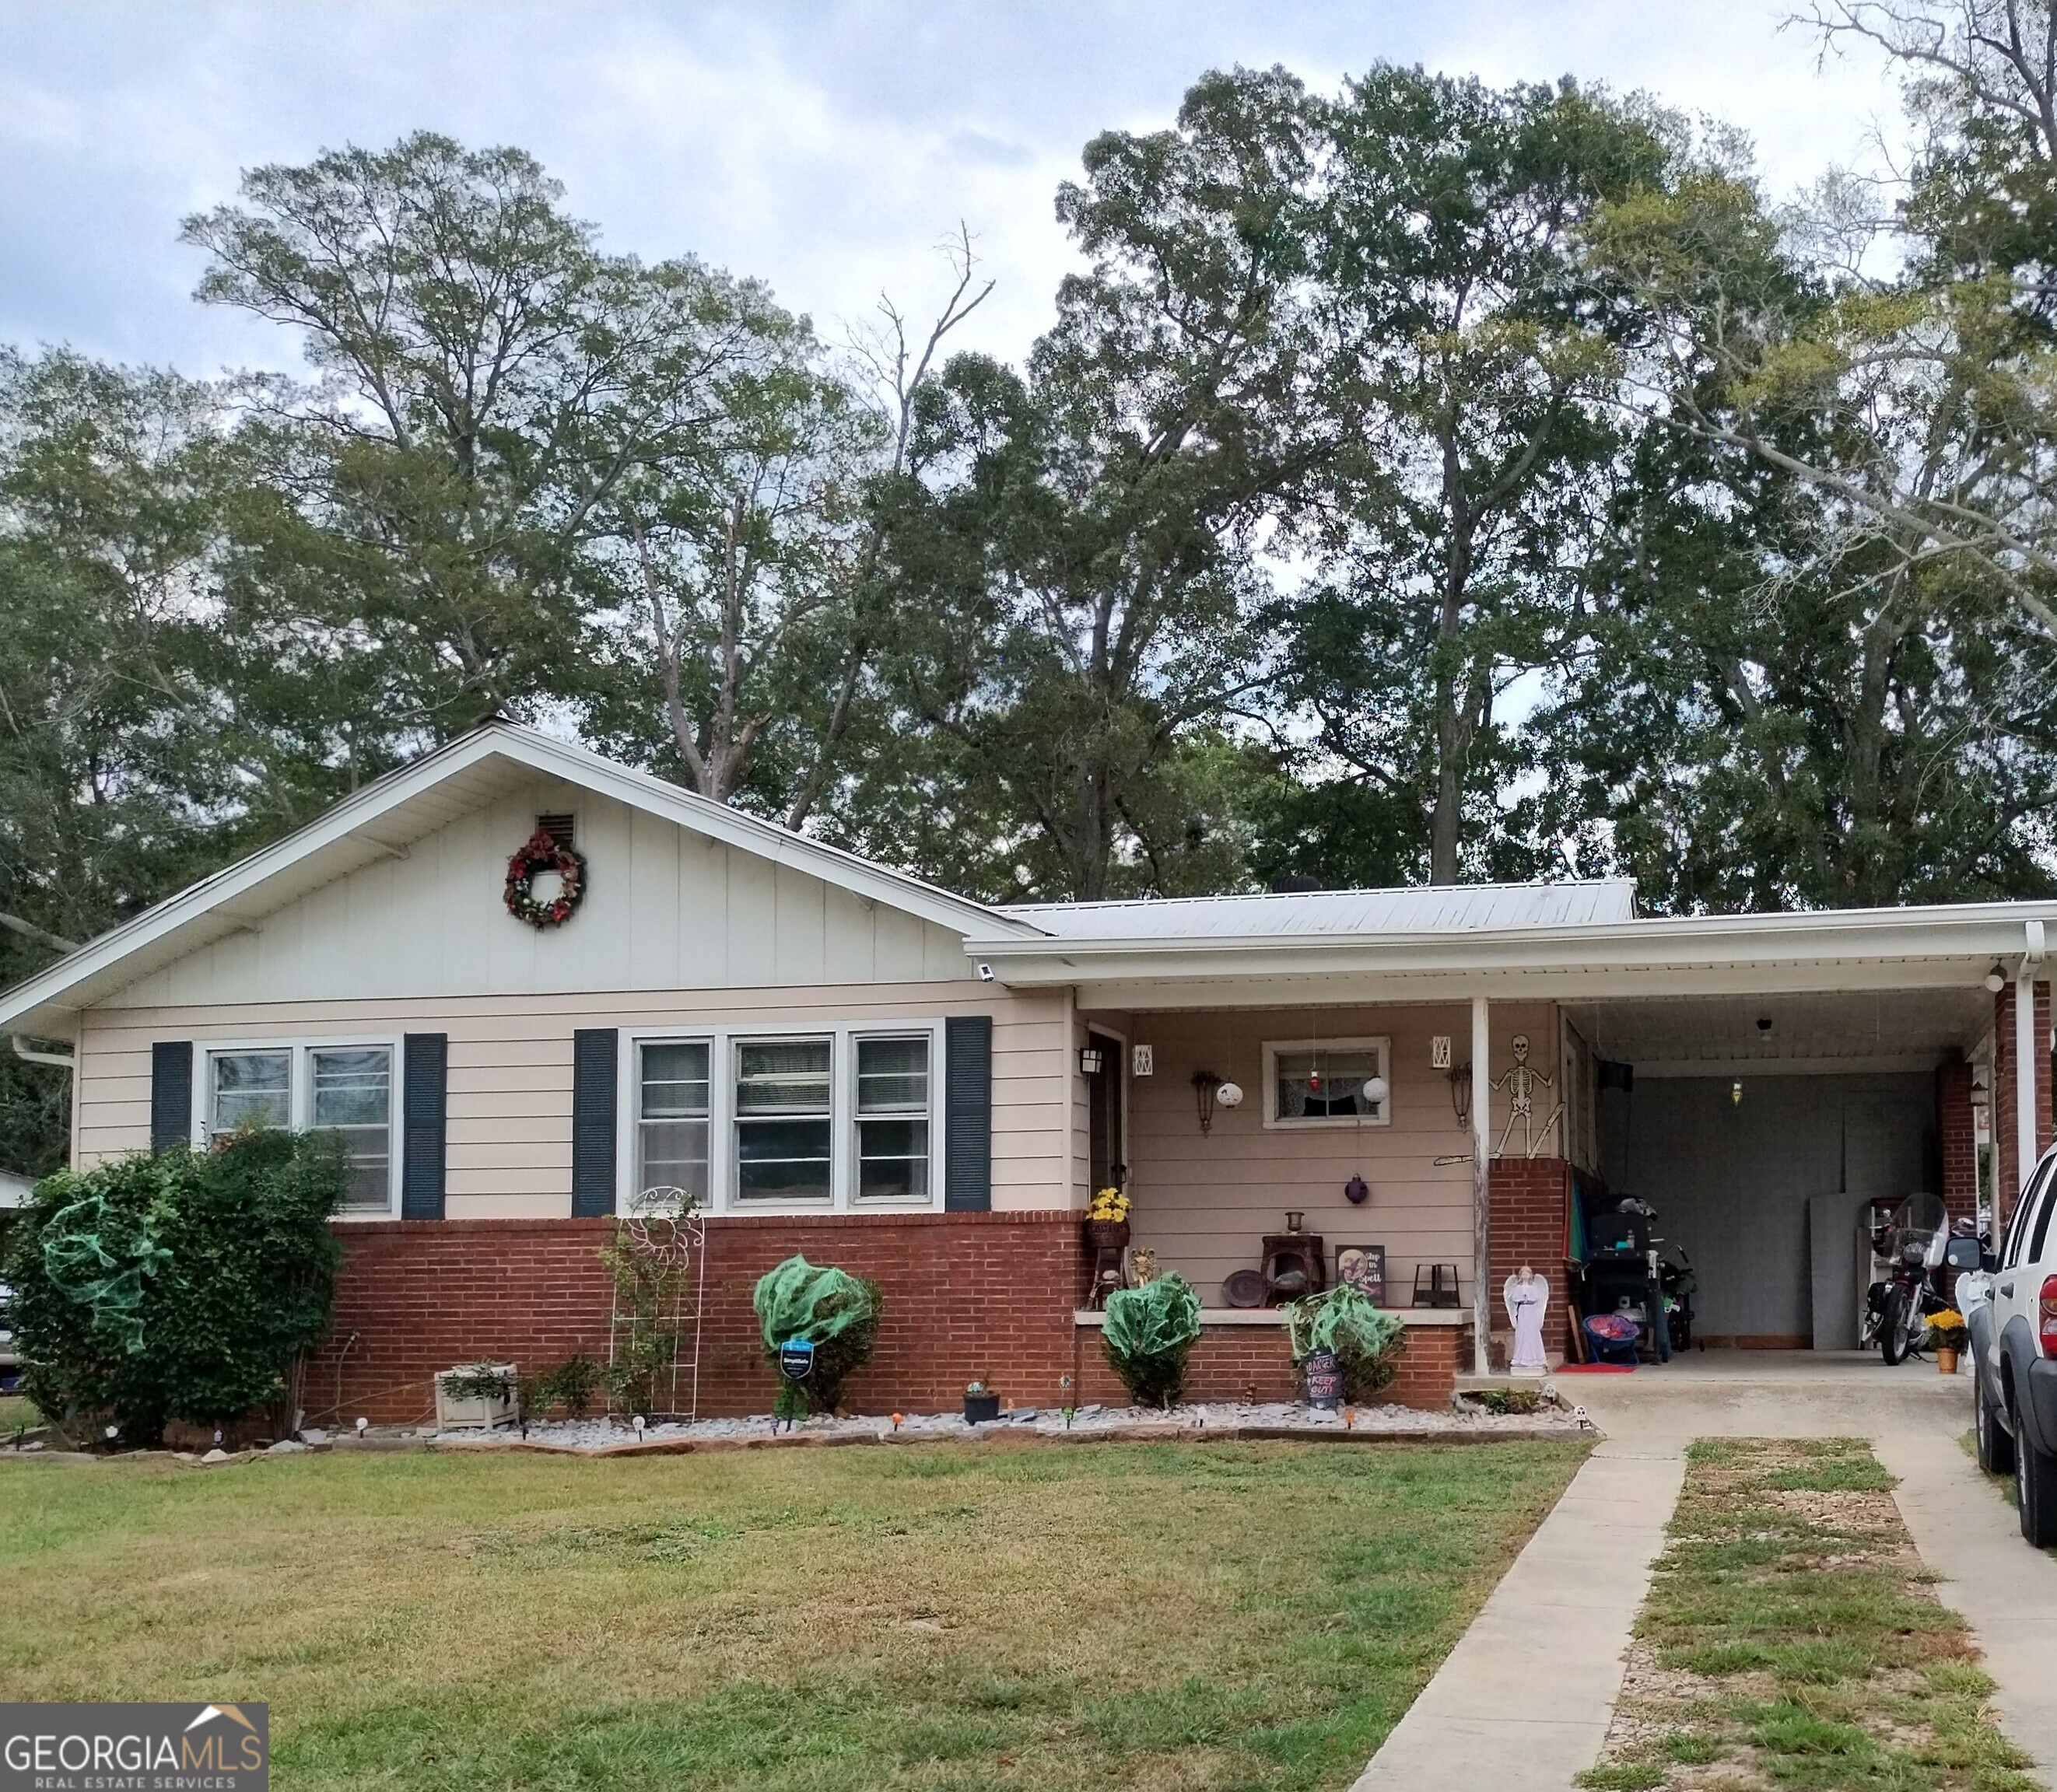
(1436, 1284)
(1108, 1273)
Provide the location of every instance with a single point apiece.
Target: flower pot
(1946, 1360)
(1107, 1234)
(981, 1409)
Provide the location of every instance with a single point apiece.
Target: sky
(828, 148)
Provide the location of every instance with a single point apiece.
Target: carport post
(1481, 1192)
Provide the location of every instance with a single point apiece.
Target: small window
(1317, 1083)
(784, 1137)
(893, 1119)
(562, 828)
(344, 1090)
(672, 1119)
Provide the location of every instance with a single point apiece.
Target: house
(845, 1060)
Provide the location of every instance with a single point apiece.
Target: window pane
(892, 1160)
(783, 1076)
(352, 1096)
(252, 1088)
(675, 1156)
(674, 1080)
(782, 1160)
(892, 1076)
(1325, 1085)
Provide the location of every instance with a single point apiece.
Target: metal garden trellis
(664, 1231)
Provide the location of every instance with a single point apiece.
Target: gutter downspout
(1481, 1192)
(59, 1060)
(2028, 1072)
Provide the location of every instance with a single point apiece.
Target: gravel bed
(1273, 1418)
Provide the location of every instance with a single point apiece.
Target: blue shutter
(171, 1093)
(596, 1065)
(425, 1091)
(967, 1114)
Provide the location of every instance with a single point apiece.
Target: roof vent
(562, 828)
(1294, 883)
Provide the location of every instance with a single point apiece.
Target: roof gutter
(29, 1054)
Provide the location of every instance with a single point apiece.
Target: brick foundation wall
(1233, 1363)
(1531, 1201)
(2004, 1087)
(1959, 1146)
(967, 1294)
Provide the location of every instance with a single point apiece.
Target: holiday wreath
(543, 853)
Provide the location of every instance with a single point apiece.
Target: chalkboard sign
(1322, 1374)
(796, 1359)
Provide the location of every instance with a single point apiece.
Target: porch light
(1735, 1093)
(1995, 979)
(1091, 1061)
(1207, 1086)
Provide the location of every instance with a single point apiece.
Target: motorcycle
(1912, 1244)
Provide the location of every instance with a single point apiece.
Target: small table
(1297, 1254)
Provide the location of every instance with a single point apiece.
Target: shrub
(572, 1385)
(835, 1312)
(1148, 1333)
(182, 1285)
(1367, 1340)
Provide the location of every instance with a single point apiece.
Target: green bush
(572, 1385)
(1366, 1339)
(1148, 1333)
(836, 1311)
(182, 1285)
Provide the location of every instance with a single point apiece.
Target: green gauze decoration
(835, 1312)
(1146, 1333)
(108, 1282)
(1345, 1319)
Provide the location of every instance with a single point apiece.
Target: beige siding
(1204, 1202)
(665, 908)
(510, 1071)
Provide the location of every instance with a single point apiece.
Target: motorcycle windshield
(1918, 1221)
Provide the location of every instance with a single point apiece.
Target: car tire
(1995, 1441)
(2035, 1494)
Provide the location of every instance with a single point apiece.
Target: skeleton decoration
(1520, 1082)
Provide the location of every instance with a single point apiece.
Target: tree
(1088, 534)
(488, 381)
(1469, 367)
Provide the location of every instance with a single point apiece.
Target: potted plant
(476, 1395)
(1107, 1220)
(982, 1405)
(1947, 1335)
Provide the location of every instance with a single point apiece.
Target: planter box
(456, 1412)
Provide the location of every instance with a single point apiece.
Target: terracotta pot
(1946, 1361)
(1107, 1234)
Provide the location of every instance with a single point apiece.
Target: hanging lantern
(1230, 1095)
(1376, 1089)
(1314, 1080)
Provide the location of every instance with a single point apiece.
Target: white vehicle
(2014, 1356)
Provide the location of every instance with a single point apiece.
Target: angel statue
(1527, 1297)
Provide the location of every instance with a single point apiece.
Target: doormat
(1596, 1369)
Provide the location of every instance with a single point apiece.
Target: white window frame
(299, 1096)
(721, 1038)
(1274, 1049)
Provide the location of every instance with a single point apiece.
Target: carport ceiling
(1870, 1030)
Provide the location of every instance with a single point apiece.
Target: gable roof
(387, 816)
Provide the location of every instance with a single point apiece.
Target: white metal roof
(1445, 909)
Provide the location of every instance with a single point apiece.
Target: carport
(1762, 1127)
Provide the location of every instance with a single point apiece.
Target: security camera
(985, 973)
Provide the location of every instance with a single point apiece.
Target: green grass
(1799, 1642)
(1161, 1616)
(15, 1412)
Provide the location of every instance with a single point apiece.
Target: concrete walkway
(1525, 1698)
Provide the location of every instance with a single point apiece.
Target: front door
(1103, 1116)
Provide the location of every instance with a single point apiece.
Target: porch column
(2027, 1064)
(1481, 1193)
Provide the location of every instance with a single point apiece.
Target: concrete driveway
(1525, 1697)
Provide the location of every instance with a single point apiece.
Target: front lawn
(1152, 1616)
